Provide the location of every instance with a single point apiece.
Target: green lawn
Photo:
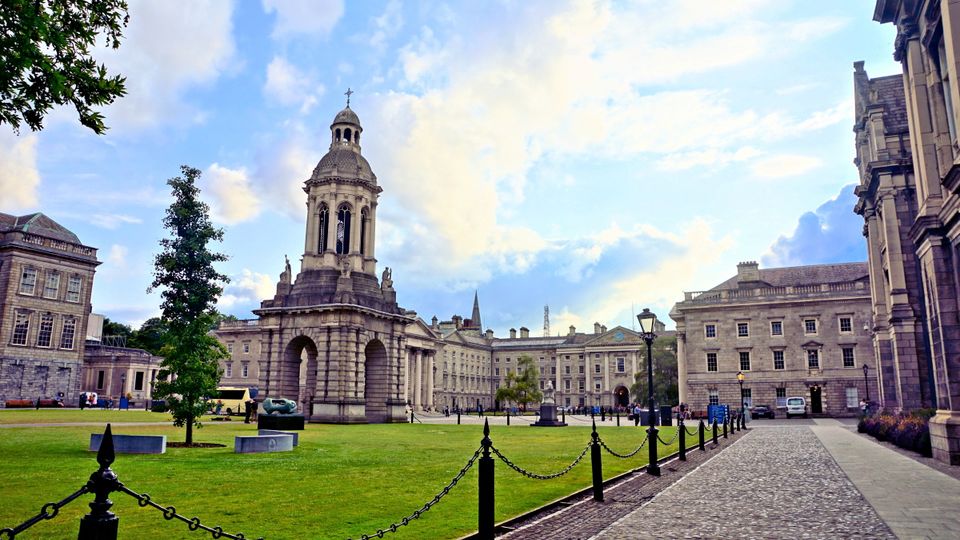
(342, 481)
(54, 416)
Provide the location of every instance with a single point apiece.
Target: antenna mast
(546, 320)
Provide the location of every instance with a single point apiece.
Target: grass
(342, 481)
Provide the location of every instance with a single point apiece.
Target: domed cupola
(345, 129)
(344, 158)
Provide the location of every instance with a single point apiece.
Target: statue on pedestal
(285, 276)
(386, 279)
(548, 392)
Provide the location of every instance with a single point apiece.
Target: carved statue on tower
(386, 279)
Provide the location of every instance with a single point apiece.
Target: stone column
(406, 376)
(681, 365)
(556, 382)
(430, 375)
(606, 373)
(418, 380)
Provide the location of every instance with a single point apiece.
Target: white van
(796, 406)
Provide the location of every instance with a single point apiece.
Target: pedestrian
(636, 415)
(603, 414)
(864, 405)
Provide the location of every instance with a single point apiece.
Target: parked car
(796, 406)
(762, 411)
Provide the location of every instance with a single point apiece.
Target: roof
(38, 224)
(347, 116)
(889, 93)
(346, 161)
(793, 276)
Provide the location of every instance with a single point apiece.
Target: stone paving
(776, 482)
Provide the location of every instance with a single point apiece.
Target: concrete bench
(296, 436)
(262, 443)
(132, 444)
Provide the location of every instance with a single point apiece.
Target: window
(776, 328)
(20, 328)
(246, 348)
(810, 326)
(67, 333)
(596, 384)
(566, 370)
(51, 287)
(743, 329)
(566, 384)
(324, 226)
(853, 397)
(781, 397)
(74, 286)
(230, 348)
(46, 330)
(553, 370)
(508, 359)
(229, 370)
(710, 331)
(778, 360)
(711, 361)
(597, 355)
(621, 365)
(747, 397)
(28, 281)
(813, 359)
(596, 368)
(363, 230)
(100, 380)
(541, 384)
(138, 381)
(713, 397)
(744, 361)
(343, 230)
(582, 386)
(846, 325)
(245, 370)
(496, 371)
(580, 369)
(848, 360)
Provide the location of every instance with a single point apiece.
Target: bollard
(508, 417)
(714, 431)
(597, 465)
(618, 418)
(683, 440)
(703, 431)
(101, 523)
(485, 497)
(411, 416)
(563, 415)
(458, 416)
(725, 427)
(652, 466)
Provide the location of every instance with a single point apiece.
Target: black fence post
(485, 497)
(508, 417)
(458, 416)
(683, 439)
(563, 415)
(618, 417)
(725, 420)
(101, 523)
(714, 431)
(703, 432)
(595, 461)
(411, 416)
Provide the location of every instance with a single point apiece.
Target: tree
(191, 286)
(114, 332)
(150, 336)
(665, 374)
(45, 59)
(523, 386)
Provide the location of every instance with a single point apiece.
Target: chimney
(524, 332)
(457, 321)
(435, 323)
(573, 330)
(513, 333)
(603, 329)
(748, 271)
(596, 328)
(489, 334)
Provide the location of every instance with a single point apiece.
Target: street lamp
(866, 383)
(648, 322)
(740, 378)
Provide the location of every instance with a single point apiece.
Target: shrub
(906, 431)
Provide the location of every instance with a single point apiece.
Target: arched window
(337, 135)
(363, 231)
(324, 227)
(343, 230)
(346, 134)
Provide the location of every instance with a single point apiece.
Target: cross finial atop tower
(348, 93)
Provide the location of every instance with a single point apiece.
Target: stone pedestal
(945, 436)
(548, 416)
(280, 422)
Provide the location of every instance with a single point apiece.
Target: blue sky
(597, 157)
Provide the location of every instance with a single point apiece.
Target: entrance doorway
(376, 386)
(816, 401)
(621, 396)
(298, 373)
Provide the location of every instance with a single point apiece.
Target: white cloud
(112, 221)
(117, 258)
(784, 165)
(19, 177)
(282, 167)
(288, 85)
(168, 47)
(386, 25)
(247, 287)
(304, 17)
(231, 196)
(713, 157)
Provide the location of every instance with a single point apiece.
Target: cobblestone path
(773, 483)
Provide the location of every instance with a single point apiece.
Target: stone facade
(46, 278)
(118, 371)
(791, 331)
(927, 44)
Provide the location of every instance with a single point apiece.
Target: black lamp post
(648, 321)
(740, 378)
(866, 383)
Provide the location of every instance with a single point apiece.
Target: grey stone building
(46, 278)
(791, 331)
(113, 372)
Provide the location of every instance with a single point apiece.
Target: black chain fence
(623, 456)
(47, 511)
(536, 476)
(170, 512)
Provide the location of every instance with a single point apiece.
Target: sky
(596, 157)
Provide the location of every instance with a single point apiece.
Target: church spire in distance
(475, 316)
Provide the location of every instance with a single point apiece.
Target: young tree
(191, 286)
(665, 373)
(150, 336)
(523, 386)
(45, 59)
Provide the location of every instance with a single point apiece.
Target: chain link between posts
(536, 476)
(623, 456)
(671, 441)
(170, 512)
(47, 511)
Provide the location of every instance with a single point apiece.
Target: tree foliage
(191, 285)
(45, 59)
(523, 385)
(665, 374)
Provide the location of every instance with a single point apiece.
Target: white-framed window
(747, 397)
(743, 329)
(496, 371)
(566, 370)
(596, 384)
(28, 281)
(853, 397)
(74, 288)
(21, 327)
(541, 384)
(713, 397)
(580, 370)
(245, 370)
(813, 359)
(846, 325)
(778, 362)
(596, 368)
(848, 358)
(51, 285)
(45, 334)
(553, 370)
(781, 397)
(744, 361)
(229, 372)
(566, 384)
(246, 348)
(67, 333)
(709, 331)
(621, 365)
(230, 347)
(711, 361)
(582, 385)
(776, 328)
(809, 326)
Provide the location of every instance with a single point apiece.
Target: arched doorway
(816, 400)
(621, 396)
(376, 386)
(298, 373)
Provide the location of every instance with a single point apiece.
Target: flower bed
(909, 431)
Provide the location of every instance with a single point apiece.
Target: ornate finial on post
(486, 428)
(101, 523)
(348, 93)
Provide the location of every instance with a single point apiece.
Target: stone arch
(621, 396)
(298, 372)
(346, 134)
(376, 386)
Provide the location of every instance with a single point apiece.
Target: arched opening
(343, 230)
(356, 137)
(336, 135)
(346, 134)
(298, 373)
(324, 227)
(621, 396)
(376, 386)
(363, 231)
